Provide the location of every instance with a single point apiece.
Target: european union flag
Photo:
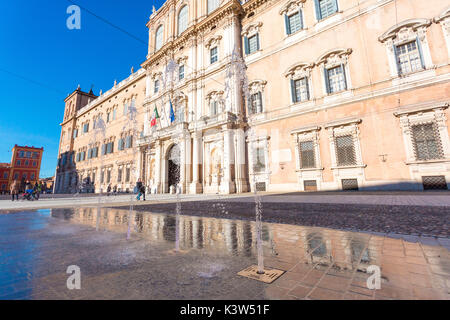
(172, 113)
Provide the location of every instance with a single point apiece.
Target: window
(35, 155)
(212, 5)
(409, 58)
(28, 154)
(182, 20)
(213, 108)
(307, 157)
(108, 176)
(27, 162)
(32, 176)
(335, 79)
(114, 114)
(108, 114)
(181, 73)
(300, 90)
(34, 163)
(255, 104)
(119, 175)
(214, 55)
(5, 175)
(156, 86)
(102, 176)
(121, 144)
(86, 127)
(251, 44)
(18, 162)
(426, 142)
(16, 176)
(129, 142)
(127, 175)
(260, 160)
(345, 151)
(21, 154)
(294, 22)
(75, 133)
(159, 38)
(125, 109)
(325, 8)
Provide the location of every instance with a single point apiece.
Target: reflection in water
(316, 246)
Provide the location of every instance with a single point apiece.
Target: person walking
(37, 190)
(140, 189)
(108, 190)
(14, 188)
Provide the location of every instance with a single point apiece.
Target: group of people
(139, 189)
(29, 191)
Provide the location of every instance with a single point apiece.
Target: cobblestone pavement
(429, 221)
(188, 257)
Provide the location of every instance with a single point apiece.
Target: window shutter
(260, 102)
(288, 25)
(257, 41)
(317, 6)
(103, 149)
(307, 88)
(344, 75)
(294, 98)
(397, 63)
(327, 80)
(419, 47)
(301, 17)
(335, 5)
(112, 147)
(246, 45)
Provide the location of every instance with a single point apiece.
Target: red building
(25, 165)
(5, 170)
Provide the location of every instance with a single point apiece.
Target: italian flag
(154, 117)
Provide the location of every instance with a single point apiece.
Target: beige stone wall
(377, 109)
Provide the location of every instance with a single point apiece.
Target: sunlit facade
(340, 94)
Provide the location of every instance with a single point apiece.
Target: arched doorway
(174, 166)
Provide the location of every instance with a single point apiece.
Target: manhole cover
(269, 276)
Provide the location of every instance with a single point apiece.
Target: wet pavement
(37, 247)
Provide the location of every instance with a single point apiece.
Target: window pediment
(299, 70)
(292, 7)
(212, 42)
(257, 86)
(334, 57)
(406, 31)
(252, 29)
(214, 95)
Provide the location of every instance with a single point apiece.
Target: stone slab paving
(191, 257)
(434, 199)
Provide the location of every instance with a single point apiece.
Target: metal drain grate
(269, 276)
(310, 185)
(434, 183)
(349, 184)
(261, 186)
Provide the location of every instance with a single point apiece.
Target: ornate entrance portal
(174, 166)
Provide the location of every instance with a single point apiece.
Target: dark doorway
(174, 166)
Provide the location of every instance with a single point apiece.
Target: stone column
(158, 166)
(196, 186)
(182, 146)
(227, 184)
(240, 166)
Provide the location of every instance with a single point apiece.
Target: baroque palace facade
(338, 94)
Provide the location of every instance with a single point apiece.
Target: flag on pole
(154, 117)
(172, 113)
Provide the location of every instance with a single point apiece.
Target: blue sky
(35, 44)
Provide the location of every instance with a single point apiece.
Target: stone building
(281, 95)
